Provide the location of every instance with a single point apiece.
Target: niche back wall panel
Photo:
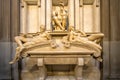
(32, 19)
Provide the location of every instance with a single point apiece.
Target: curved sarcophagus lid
(58, 47)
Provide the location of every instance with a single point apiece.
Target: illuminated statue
(89, 42)
(60, 18)
(25, 43)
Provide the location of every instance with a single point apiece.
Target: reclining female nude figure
(89, 42)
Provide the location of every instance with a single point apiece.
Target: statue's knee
(16, 38)
(102, 35)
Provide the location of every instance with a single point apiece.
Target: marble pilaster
(24, 17)
(48, 14)
(77, 14)
(42, 17)
(39, 15)
(79, 69)
(96, 16)
(81, 15)
(71, 12)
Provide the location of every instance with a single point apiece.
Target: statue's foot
(17, 48)
(14, 60)
(11, 62)
(100, 59)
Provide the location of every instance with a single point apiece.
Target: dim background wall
(110, 26)
(9, 27)
(110, 23)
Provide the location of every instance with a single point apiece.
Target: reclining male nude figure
(24, 42)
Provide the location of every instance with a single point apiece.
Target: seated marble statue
(56, 22)
(25, 43)
(89, 42)
(59, 19)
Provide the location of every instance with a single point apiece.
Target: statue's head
(61, 5)
(56, 13)
(71, 28)
(42, 28)
(22, 34)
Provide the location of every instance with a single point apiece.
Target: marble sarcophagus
(61, 47)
